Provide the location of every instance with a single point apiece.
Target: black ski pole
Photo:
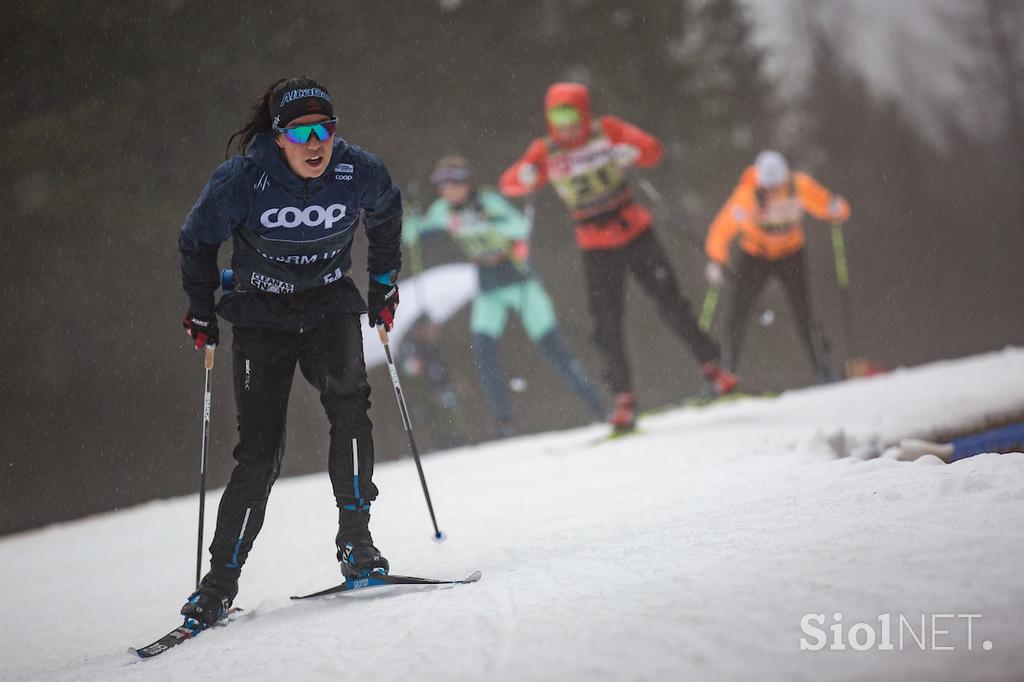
(203, 459)
(692, 239)
(414, 209)
(711, 296)
(383, 333)
(518, 383)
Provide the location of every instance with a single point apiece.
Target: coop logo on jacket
(311, 216)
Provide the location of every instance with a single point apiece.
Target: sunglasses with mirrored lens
(300, 134)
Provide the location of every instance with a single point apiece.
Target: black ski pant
(605, 271)
(264, 360)
(752, 273)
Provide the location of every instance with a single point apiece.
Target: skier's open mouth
(315, 161)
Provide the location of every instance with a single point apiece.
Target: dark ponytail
(258, 120)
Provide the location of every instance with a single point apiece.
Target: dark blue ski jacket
(291, 237)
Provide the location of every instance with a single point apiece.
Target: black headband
(300, 102)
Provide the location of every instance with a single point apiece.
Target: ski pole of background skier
(415, 250)
(383, 333)
(518, 382)
(843, 280)
(707, 310)
(204, 458)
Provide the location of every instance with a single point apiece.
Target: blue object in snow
(1004, 439)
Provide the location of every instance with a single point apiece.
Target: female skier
(495, 236)
(765, 214)
(584, 157)
(290, 203)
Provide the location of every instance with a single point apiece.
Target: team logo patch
(343, 171)
(311, 216)
(271, 285)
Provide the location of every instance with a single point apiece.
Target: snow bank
(693, 550)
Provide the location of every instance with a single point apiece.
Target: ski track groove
(500, 596)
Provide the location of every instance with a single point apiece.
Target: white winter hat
(772, 169)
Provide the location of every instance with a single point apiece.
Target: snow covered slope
(692, 550)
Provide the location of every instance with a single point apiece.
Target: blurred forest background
(114, 116)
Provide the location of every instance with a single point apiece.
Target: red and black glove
(382, 299)
(202, 329)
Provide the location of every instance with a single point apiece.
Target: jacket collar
(266, 154)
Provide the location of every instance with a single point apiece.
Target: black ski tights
(751, 275)
(605, 271)
(331, 359)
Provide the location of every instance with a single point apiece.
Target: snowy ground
(693, 550)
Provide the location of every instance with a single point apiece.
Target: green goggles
(564, 116)
(300, 134)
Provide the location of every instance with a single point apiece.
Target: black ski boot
(210, 603)
(356, 553)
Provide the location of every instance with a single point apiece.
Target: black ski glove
(382, 300)
(202, 329)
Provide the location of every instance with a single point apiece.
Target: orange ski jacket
(585, 172)
(770, 224)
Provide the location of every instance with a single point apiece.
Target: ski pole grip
(383, 333)
(209, 356)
